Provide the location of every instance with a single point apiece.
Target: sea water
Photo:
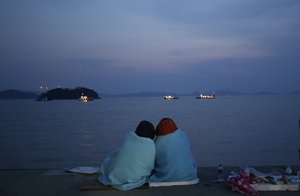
(228, 130)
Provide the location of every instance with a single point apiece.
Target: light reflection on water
(243, 130)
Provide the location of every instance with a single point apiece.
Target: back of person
(132, 163)
(174, 161)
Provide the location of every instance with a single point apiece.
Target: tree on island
(60, 93)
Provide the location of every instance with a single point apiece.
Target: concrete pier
(58, 182)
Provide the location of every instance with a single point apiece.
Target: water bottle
(220, 173)
(247, 171)
(288, 172)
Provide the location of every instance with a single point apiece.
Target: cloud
(126, 41)
(243, 28)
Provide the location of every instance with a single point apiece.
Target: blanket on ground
(174, 161)
(130, 165)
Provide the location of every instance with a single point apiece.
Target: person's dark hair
(145, 129)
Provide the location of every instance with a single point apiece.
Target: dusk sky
(129, 46)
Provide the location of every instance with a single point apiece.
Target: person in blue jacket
(132, 162)
(174, 161)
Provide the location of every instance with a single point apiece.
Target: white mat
(180, 183)
(84, 170)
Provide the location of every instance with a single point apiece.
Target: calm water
(241, 130)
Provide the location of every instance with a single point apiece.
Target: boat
(84, 98)
(206, 96)
(169, 97)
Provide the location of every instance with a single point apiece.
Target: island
(66, 93)
(17, 94)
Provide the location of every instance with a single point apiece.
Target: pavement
(57, 182)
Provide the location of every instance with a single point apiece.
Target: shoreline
(58, 182)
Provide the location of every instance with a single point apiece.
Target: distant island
(66, 93)
(17, 94)
(197, 93)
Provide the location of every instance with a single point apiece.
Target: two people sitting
(153, 156)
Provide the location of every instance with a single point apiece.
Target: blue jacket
(174, 161)
(130, 165)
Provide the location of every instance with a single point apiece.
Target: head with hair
(165, 126)
(145, 129)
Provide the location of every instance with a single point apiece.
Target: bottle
(247, 171)
(220, 173)
(286, 176)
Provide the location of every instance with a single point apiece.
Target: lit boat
(84, 98)
(169, 97)
(207, 96)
